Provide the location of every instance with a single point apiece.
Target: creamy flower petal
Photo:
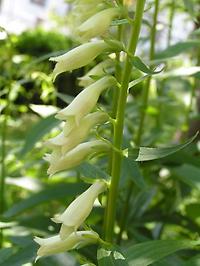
(86, 100)
(78, 57)
(79, 209)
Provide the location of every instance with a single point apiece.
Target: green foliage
(158, 209)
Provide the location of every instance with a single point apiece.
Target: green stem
(145, 96)
(3, 169)
(171, 17)
(119, 123)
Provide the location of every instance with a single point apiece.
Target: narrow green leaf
(146, 253)
(5, 253)
(177, 49)
(147, 154)
(22, 256)
(182, 71)
(37, 132)
(53, 193)
(137, 81)
(195, 261)
(111, 257)
(189, 174)
(139, 64)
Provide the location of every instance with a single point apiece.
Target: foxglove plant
(68, 148)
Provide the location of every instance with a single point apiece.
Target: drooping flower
(79, 209)
(78, 133)
(86, 100)
(98, 23)
(53, 245)
(98, 70)
(74, 157)
(78, 57)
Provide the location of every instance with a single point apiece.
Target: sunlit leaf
(147, 154)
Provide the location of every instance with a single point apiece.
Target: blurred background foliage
(164, 195)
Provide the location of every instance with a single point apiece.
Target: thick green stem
(119, 123)
(145, 96)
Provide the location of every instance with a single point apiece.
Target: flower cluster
(71, 219)
(69, 148)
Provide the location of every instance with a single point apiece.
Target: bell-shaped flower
(78, 132)
(78, 57)
(98, 23)
(74, 157)
(98, 70)
(53, 245)
(86, 100)
(79, 209)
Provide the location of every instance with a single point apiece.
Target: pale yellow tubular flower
(78, 133)
(54, 245)
(98, 23)
(86, 100)
(75, 156)
(78, 57)
(76, 213)
(98, 70)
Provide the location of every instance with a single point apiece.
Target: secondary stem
(119, 123)
(145, 96)
(171, 17)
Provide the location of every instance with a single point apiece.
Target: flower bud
(79, 209)
(98, 70)
(86, 100)
(78, 133)
(98, 23)
(78, 57)
(53, 245)
(75, 156)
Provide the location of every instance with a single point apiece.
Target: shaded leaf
(91, 171)
(22, 256)
(37, 132)
(131, 169)
(53, 193)
(189, 174)
(146, 253)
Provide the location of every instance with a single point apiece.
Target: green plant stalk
(119, 124)
(3, 169)
(171, 17)
(145, 96)
(115, 100)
